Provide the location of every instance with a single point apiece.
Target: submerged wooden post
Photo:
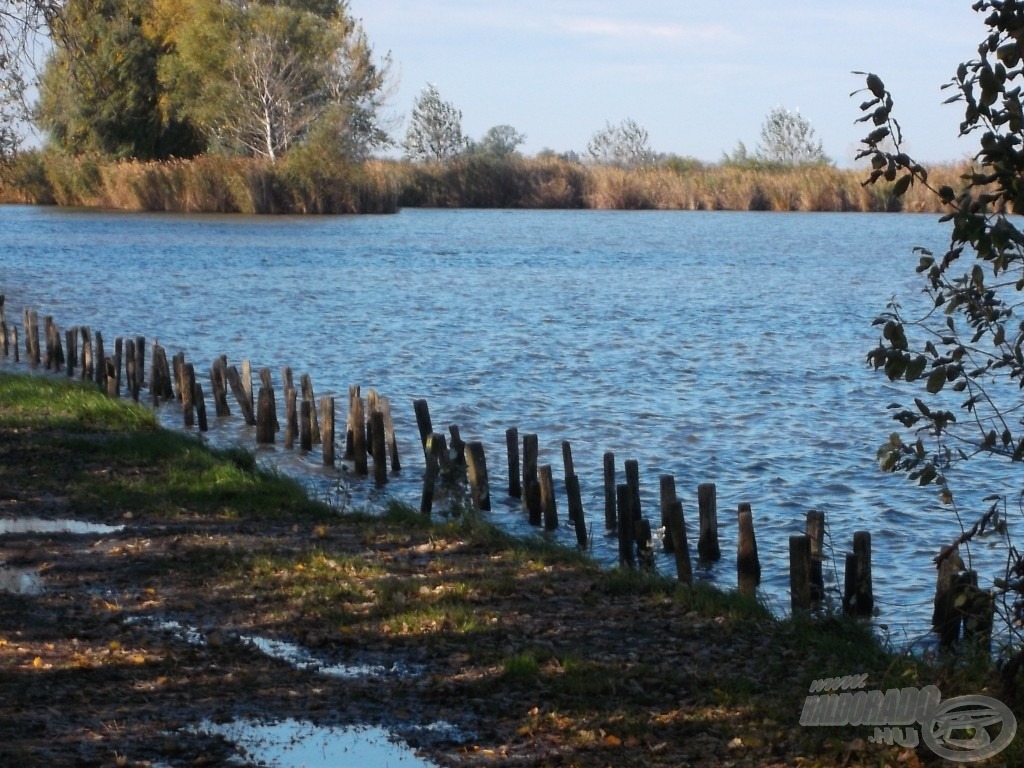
(389, 434)
(515, 488)
(54, 359)
(632, 467)
(111, 378)
(677, 534)
(355, 404)
(624, 499)
(610, 522)
(307, 394)
(140, 365)
(118, 356)
(422, 411)
(800, 573)
(199, 401)
(101, 364)
(859, 599)
(575, 501)
(243, 394)
(306, 417)
(531, 482)
(188, 386)
(547, 497)
(32, 337)
(476, 473)
(569, 468)
(265, 380)
(816, 534)
(327, 419)
(945, 617)
(707, 510)
(291, 418)
(265, 416)
(219, 386)
(457, 450)
(667, 495)
(434, 447)
(748, 565)
(380, 455)
(357, 425)
(86, 366)
(71, 342)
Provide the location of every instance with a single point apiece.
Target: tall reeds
(307, 182)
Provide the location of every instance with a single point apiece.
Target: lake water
(718, 347)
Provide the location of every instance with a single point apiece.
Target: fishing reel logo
(963, 729)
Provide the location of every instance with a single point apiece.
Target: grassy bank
(303, 183)
(535, 654)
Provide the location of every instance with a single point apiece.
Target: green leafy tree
(625, 145)
(435, 128)
(967, 348)
(501, 141)
(787, 138)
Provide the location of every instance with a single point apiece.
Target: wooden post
(859, 599)
(118, 357)
(707, 507)
(816, 534)
(265, 416)
(976, 607)
(625, 517)
(265, 380)
(287, 381)
(86, 365)
(389, 434)
(677, 533)
(243, 395)
(354, 402)
(531, 482)
(575, 499)
(14, 342)
(476, 472)
(945, 617)
(131, 378)
(547, 497)
(54, 359)
(306, 419)
(609, 491)
(307, 394)
(188, 388)
(380, 451)
(800, 573)
(246, 379)
(567, 462)
(327, 418)
(71, 342)
(178, 365)
(666, 495)
(32, 337)
(291, 418)
(198, 400)
(111, 378)
(101, 366)
(748, 566)
(219, 386)
(515, 488)
(423, 420)
(140, 365)
(433, 449)
(632, 467)
(357, 422)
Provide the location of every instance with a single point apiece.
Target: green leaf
(936, 380)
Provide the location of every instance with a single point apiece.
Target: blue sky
(698, 76)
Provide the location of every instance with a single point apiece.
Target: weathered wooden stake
(291, 418)
(666, 495)
(575, 499)
(632, 467)
(265, 380)
(307, 394)
(624, 501)
(515, 488)
(357, 423)
(71, 342)
(86, 366)
(707, 509)
(816, 534)
(306, 425)
(677, 534)
(567, 463)
(140, 366)
(423, 423)
(219, 386)
(380, 451)
(242, 393)
(188, 393)
(265, 416)
(14, 343)
(609, 492)
(354, 403)
(101, 367)
(111, 378)
(859, 598)
(433, 450)
(199, 401)
(389, 434)
(800, 573)
(547, 497)
(531, 482)
(748, 565)
(476, 473)
(945, 617)
(327, 418)
(32, 337)
(118, 357)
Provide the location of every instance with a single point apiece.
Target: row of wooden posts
(369, 434)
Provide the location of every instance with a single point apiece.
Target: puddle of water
(190, 635)
(294, 743)
(41, 525)
(300, 658)
(20, 581)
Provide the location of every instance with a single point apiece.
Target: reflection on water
(289, 743)
(713, 346)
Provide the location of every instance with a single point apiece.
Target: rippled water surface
(717, 347)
